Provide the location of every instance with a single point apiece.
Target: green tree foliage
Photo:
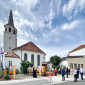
(55, 60)
(25, 65)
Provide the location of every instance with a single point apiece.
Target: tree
(55, 60)
(25, 65)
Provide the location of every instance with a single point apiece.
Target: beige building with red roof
(76, 58)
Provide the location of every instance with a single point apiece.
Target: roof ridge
(77, 48)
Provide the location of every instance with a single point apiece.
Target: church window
(25, 56)
(38, 60)
(5, 29)
(32, 58)
(10, 63)
(9, 29)
(9, 47)
(14, 31)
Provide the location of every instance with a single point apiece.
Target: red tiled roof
(29, 46)
(9, 54)
(78, 48)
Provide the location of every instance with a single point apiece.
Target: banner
(14, 71)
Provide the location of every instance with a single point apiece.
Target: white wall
(15, 61)
(29, 53)
(80, 52)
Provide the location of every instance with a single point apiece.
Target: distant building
(64, 62)
(76, 57)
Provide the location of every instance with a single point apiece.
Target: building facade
(76, 58)
(13, 54)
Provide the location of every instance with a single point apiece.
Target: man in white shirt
(81, 72)
(75, 75)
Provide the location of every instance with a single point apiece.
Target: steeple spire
(10, 21)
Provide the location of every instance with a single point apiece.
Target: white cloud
(1, 33)
(70, 26)
(71, 8)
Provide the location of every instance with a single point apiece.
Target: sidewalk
(55, 79)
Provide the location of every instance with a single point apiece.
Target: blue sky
(56, 26)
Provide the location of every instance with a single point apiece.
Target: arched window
(38, 60)
(9, 29)
(14, 31)
(25, 56)
(5, 29)
(32, 58)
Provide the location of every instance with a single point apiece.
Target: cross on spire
(10, 20)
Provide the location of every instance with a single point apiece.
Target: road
(80, 82)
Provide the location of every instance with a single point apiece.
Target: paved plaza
(51, 80)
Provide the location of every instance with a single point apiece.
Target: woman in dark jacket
(34, 73)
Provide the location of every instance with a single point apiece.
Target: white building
(76, 57)
(64, 62)
(15, 55)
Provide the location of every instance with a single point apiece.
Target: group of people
(76, 73)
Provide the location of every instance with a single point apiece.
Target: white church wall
(80, 52)
(18, 52)
(29, 53)
(10, 40)
(15, 61)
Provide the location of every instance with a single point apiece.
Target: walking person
(75, 75)
(81, 72)
(77, 72)
(55, 71)
(63, 74)
(67, 72)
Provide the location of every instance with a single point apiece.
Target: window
(10, 63)
(38, 60)
(9, 29)
(75, 65)
(9, 37)
(9, 47)
(79, 66)
(5, 29)
(25, 56)
(32, 58)
(14, 31)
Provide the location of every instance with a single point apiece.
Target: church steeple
(10, 20)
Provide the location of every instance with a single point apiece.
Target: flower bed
(47, 74)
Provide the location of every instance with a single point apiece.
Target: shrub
(25, 65)
(17, 71)
(6, 77)
(44, 74)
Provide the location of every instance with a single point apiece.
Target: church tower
(10, 35)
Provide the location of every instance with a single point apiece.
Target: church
(13, 54)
